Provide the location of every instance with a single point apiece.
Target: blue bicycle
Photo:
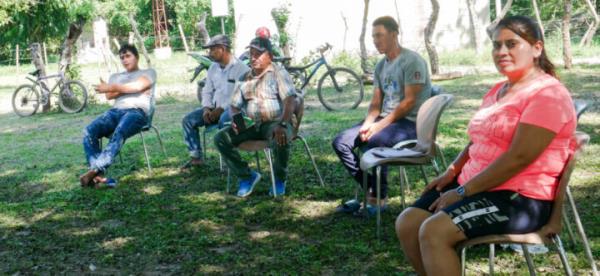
(338, 89)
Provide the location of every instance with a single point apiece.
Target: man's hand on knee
(206, 115)
(216, 114)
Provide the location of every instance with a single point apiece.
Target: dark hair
(388, 23)
(129, 48)
(529, 30)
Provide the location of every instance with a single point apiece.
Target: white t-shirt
(134, 100)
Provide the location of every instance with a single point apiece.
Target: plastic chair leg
(561, 253)
(258, 161)
(584, 239)
(530, 266)
(567, 224)
(424, 174)
(312, 159)
(270, 160)
(491, 259)
(160, 141)
(402, 187)
(378, 180)
(228, 180)
(204, 144)
(441, 155)
(365, 192)
(146, 152)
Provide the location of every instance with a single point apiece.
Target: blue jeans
(191, 136)
(347, 141)
(118, 124)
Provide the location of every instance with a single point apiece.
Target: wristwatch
(461, 191)
(283, 124)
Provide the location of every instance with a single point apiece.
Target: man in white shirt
(132, 91)
(216, 96)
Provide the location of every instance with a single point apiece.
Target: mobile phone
(239, 121)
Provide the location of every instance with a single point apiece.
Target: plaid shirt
(261, 97)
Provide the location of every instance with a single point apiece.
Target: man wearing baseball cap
(266, 95)
(216, 96)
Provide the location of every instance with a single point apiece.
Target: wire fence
(9, 55)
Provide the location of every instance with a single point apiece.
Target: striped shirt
(261, 97)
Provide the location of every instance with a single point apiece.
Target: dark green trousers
(226, 142)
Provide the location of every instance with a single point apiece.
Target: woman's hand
(446, 199)
(441, 181)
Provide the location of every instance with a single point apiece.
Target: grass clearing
(184, 223)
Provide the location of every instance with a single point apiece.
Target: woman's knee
(439, 230)
(409, 222)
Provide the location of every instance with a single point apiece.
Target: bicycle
(338, 89)
(72, 95)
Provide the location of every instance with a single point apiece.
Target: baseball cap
(218, 40)
(261, 44)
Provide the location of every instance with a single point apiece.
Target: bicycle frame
(45, 90)
(317, 64)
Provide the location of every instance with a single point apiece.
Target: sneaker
(532, 248)
(247, 185)
(279, 188)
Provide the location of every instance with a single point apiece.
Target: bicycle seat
(294, 68)
(282, 59)
(35, 73)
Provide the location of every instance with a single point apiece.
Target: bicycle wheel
(25, 100)
(72, 97)
(339, 89)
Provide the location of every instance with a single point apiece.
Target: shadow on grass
(183, 223)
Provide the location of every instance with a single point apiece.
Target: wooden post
(139, 38)
(45, 53)
(38, 62)
(17, 62)
(116, 42)
(185, 45)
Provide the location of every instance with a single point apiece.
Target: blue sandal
(348, 207)
(371, 210)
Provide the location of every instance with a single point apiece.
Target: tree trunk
(38, 62)
(566, 34)
(201, 25)
(139, 39)
(345, 29)
(498, 5)
(400, 33)
(363, 47)
(433, 56)
(66, 55)
(503, 13)
(474, 27)
(589, 34)
(538, 18)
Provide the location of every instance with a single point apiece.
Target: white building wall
(314, 22)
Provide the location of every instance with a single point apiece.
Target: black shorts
(491, 213)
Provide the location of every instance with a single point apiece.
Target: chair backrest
(152, 107)
(428, 119)
(580, 107)
(581, 140)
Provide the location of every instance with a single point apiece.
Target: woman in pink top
(505, 179)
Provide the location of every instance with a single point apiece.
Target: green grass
(184, 223)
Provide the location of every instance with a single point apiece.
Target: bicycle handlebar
(325, 48)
